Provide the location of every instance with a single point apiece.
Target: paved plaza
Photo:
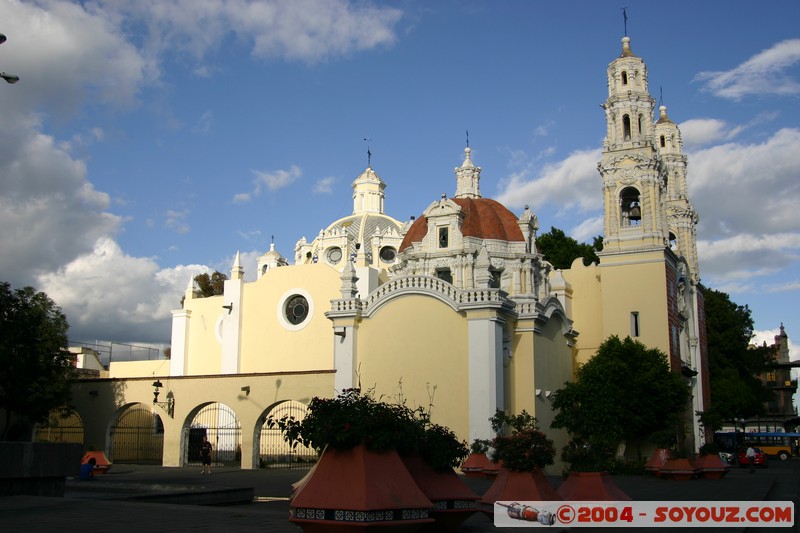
(104, 504)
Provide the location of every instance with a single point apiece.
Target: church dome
(484, 218)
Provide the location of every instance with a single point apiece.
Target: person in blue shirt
(86, 473)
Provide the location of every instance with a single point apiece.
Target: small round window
(296, 309)
(334, 255)
(388, 254)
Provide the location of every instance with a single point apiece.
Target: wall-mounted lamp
(339, 331)
(229, 307)
(548, 393)
(539, 393)
(169, 405)
(246, 390)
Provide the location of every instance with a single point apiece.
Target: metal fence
(219, 424)
(137, 437)
(60, 429)
(274, 451)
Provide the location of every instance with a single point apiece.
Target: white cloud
(204, 123)
(325, 185)
(762, 74)
(748, 189)
(304, 30)
(571, 183)
(127, 298)
(176, 221)
(272, 181)
(587, 230)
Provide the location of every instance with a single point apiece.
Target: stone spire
(468, 178)
(237, 272)
(349, 280)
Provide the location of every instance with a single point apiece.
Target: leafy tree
(561, 250)
(733, 364)
(37, 367)
(625, 392)
(212, 285)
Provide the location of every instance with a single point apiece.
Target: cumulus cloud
(763, 74)
(571, 183)
(272, 181)
(301, 30)
(127, 298)
(764, 178)
(176, 221)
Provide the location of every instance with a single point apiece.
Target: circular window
(296, 309)
(334, 255)
(388, 254)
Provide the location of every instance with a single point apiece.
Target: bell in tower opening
(630, 206)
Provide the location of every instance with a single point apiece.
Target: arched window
(626, 127)
(641, 125)
(673, 241)
(624, 78)
(663, 141)
(630, 207)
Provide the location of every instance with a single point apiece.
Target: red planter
(453, 501)
(656, 461)
(359, 490)
(679, 469)
(475, 464)
(591, 486)
(517, 486)
(711, 466)
(102, 465)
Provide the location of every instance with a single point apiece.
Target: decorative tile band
(340, 515)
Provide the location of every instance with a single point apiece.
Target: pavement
(122, 500)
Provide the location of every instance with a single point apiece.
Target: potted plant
(524, 451)
(359, 482)
(588, 478)
(709, 464)
(663, 439)
(477, 461)
(430, 452)
(679, 466)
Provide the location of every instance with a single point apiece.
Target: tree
(37, 367)
(212, 285)
(561, 250)
(733, 364)
(625, 392)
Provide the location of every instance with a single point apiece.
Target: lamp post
(169, 405)
(10, 78)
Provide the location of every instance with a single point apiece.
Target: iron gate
(60, 429)
(219, 424)
(274, 451)
(137, 437)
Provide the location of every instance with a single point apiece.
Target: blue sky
(150, 140)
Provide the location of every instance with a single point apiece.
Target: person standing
(751, 458)
(205, 455)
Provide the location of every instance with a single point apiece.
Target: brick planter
(679, 469)
(517, 486)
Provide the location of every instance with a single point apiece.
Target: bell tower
(681, 215)
(633, 174)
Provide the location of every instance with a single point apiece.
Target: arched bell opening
(630, 206)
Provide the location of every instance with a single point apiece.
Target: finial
(369, 154)
(625, 19)
(467, 138)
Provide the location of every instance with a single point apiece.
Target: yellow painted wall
(133, 369)
(636, 285)
(587, 306)
(268, 346)
(205, 351)
(421, 342)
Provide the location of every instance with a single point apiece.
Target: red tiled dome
(483, 218)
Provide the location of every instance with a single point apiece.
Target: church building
(455, 309)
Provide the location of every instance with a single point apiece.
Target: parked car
(727, 458)
(760, 460)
